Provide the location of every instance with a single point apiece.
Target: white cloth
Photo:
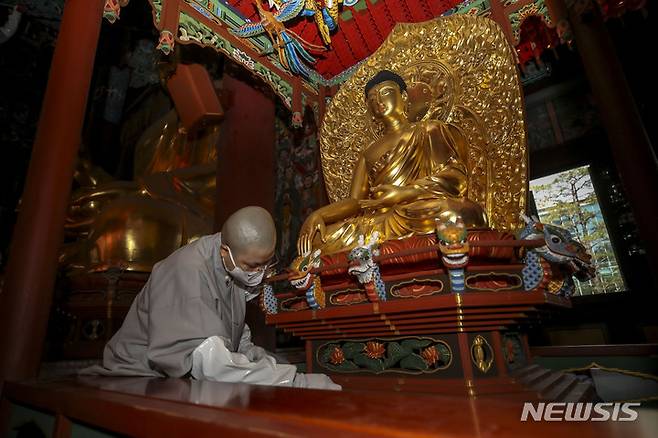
(213, 361)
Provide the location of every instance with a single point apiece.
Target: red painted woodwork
(488, 250)
(483, 301)
(169, 16)
(456, 320)
(246, 167)
(182, 407)
(27, 293)
(194, 96)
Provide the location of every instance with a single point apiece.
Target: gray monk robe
(188, 298)
(189, 320)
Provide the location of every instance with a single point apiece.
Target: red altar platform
(420, 334)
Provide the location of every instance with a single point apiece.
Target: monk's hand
(312, 225)
(255, 353)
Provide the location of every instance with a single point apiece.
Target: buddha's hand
(383, 190)
(312, 225)
(388, 195)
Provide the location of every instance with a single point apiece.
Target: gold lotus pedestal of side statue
(412, 277)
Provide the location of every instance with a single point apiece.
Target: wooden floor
(181, 407)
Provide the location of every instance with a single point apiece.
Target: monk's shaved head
(249, 230)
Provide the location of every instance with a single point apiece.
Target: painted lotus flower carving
(337, 356)
(374, 350)
(430, 355)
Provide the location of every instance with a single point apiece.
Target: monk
(188, 320)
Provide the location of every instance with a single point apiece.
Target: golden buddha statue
(132, 225)
(404, 180)
(442, 134)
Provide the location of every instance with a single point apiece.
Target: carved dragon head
(363, 256)
(559, 247)
(452, 238)
(300, 270)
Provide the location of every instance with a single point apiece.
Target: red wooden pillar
(246, 167)
(27, 293)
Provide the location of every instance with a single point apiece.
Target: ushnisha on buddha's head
(386, 95)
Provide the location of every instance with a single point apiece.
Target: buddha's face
(385, 100)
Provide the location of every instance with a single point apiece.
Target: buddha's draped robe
(430, 155)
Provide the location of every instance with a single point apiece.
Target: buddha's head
(386, 95)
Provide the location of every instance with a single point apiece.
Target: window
(567, 199)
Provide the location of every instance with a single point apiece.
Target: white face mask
(247, 278)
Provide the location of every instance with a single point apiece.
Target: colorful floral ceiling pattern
(301, 48)
(361, 27)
